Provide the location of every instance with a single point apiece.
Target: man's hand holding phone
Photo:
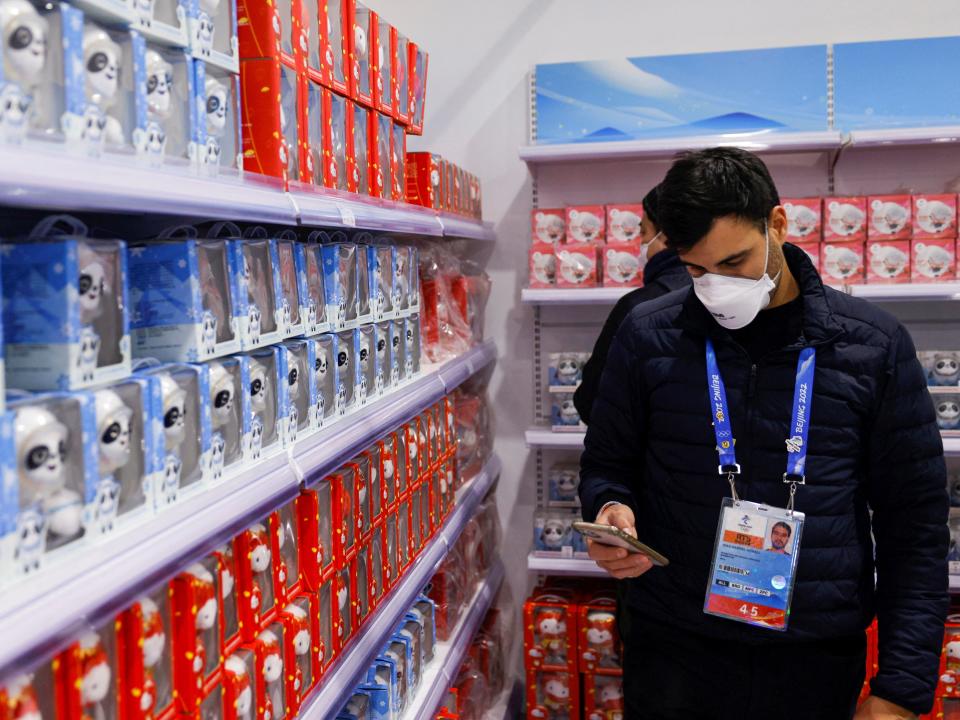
(617, 561)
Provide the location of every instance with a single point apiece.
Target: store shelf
(904, 137)
(542, 437)
(33, 178)
(331, 208)
(573, 296)
(92, 584)
(455, 226)
(951, 446)
(342, 677)
(440, 674)
(581, 567)
(664, 148)
(908, 292)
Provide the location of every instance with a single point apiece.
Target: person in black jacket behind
(663, 273)
(874, 463)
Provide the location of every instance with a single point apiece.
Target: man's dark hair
(783, 525)
(651, 206)
(703, 186)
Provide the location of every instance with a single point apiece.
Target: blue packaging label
(346, 370)
(325, 377)
(38, 282)
(139, 85)
(9, 496)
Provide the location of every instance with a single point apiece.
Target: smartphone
(610, 535)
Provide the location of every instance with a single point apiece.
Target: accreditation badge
(754, 564)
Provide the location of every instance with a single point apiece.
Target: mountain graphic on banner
(736, 121)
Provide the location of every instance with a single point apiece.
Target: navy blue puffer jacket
(873, 445)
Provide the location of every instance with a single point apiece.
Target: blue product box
(411, 360)
(174, 131)
(384, 356)
(161, 21)
(111, 12)
(401, 280)
(314, 309)
(259, 298)
(302, 390)
(367, 366)
(56, 463)
(212, 29)
(340, 284)
(413, 281)
(411, 627)
(364, 305)
(218, 99)
(65, 319)
(185, 419)
(130, 452)
(325, 378)
(383, 672)
(269, 410)
(9, 498)
(380, 268)
(293, 289)
(230, 414)
(183, 296)
(563, 413)
(566, 369)
(563, 481)
(400, 650)
(553, 532)
(347, 353)
(398, 345)
(426, 610)
(378, 701)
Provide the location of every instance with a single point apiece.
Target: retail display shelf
(759, 142)
(904, 136)
(581, 567)
(907, 292)
(443, 671)
(342, 677)
(455, 226)
(34, 178)
(330, 208)
(951, 445)
(92, 584)
(573, 296)
(544, 437)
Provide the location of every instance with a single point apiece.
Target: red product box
(398, 440)
(812, 249)
(380, 144)
(301, 649)
(552, 694)
(229, 602)
(365, 515)
(359, 179)
(549, 226)
(377, 482)
(343, 610)
(383, 68)
(934, 216)
(145, 672)
(623, 223)
(326, 627)
(550, 630)
(845, 219)
(363, 39)
(239, 671)
(361, 591)
(447, 171)
(934, 260)
(603, 697)
(286, 566)
(405, 554)
(318, 524)
(400, 52)
(949, 685)
(273, 30)
(336, 30)
(197, 641)
(425, 179)
(577, 265)
(347, 519)
(543, 266)
(803, 219)
(391, 550)
(622, 265)
(415, 452)
(600, 648)
(889, 217)
(585, 224)
(269, 679)
(376, 550)
(338, 142)
(86, 676)
(386, 449)
(888, 262)
(271, 144)
(398, 162)
(842, 263)
(417, 63)
(253, 553)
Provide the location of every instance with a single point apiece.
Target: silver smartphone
(610, 535)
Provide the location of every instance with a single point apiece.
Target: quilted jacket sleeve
(613, 448)
(907, 492)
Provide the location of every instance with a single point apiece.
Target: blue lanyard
(799, 420)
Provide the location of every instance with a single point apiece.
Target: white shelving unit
(541, 437)
(102, 579)
(440, 674)
(35, 178)
(572, 296)
(352, 664)
(904, 137)
(583, 567)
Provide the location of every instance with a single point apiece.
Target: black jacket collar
(663, 265)
(819, 323)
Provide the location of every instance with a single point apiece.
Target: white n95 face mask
(734, 302)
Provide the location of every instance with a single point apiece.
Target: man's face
(779, 537)
(737, 248)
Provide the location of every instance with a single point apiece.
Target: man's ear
(777, 224)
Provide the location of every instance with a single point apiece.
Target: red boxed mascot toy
(548, 225)
(842, 263)
(586, 224)
(934, 260)
(803, 219)
(274, 109)
(145, 674)
(889, 217)
(888, 261)
(577, 265)
(934, 216)
(623, 223)
(623, 265)
(844, 219)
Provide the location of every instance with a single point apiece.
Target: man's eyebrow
(735, 256)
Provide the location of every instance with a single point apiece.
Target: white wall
(476, 115)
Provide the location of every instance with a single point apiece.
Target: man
(663, 273)
(779, 537)
(791, 355)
